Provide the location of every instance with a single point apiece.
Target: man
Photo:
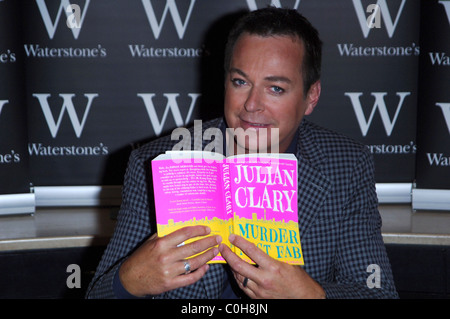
(272, 81)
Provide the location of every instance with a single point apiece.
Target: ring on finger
(187, 267)
(245, 282)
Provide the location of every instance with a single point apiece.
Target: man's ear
(313, 97)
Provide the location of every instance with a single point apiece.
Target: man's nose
(254, 102)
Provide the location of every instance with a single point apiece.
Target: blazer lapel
(314, 186)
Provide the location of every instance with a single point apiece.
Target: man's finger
(237, 264)
(189, 279)
(197, 247)
(181, 235)
(198, 261)
(250, 249)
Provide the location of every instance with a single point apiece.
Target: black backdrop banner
(369, 80)
(124, 73)
(433, 126)
(102, 77)
(14, 173)
(433, 156)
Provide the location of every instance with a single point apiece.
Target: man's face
(264, 89)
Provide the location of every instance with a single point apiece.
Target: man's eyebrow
(272, 78)
(238, 71)
(276, 78)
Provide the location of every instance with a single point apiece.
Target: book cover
(253, 196)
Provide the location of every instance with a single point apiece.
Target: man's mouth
(253, 125)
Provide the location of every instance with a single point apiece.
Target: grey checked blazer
(338, 219)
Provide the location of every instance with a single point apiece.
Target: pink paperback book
(254, 196)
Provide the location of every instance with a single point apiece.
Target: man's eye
(238, 82)
(277, 89)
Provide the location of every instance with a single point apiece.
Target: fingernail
(232, 237)
(218, 239)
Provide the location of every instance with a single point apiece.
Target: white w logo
(172, 105)
(381, 106)
(446, 5)
(173, 9)
(274, 3)
(446, 111)
(63, 6)
(67, 105)
(390, 25)
(2, 103)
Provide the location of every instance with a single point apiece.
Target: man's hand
(271, 278)
(159, 264)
